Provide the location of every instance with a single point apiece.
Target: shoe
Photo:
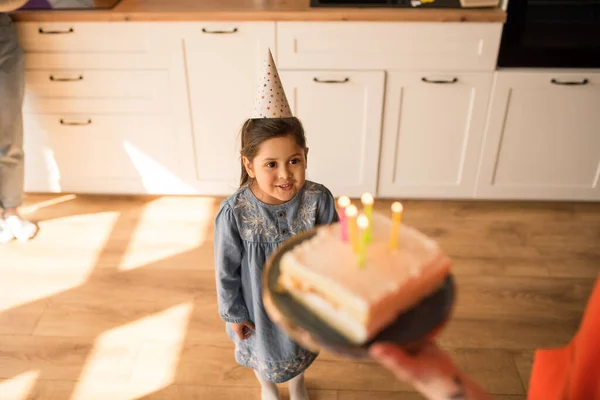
(6, 234)
(21, 229)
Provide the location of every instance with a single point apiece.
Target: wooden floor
(115, 299)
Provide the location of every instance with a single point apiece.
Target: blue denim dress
(247, 231)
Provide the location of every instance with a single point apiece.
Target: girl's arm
(228, 265)
(326, 212)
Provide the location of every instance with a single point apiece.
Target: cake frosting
(323, 274)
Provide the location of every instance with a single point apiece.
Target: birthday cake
(360, 274)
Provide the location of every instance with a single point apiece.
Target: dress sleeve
(228, 267)
(327, 214)
(567, 373)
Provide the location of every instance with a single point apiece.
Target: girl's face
(278, 169)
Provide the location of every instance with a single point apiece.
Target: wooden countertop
(255, 10)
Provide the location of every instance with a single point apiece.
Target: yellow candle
(396, 219)
(363, 225)
(367, 201)
(351, 213)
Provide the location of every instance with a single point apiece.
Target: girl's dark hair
(255, 131)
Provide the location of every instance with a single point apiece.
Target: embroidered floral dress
(247, 231)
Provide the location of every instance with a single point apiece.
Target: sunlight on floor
(31, 208)
(181, 235)
(150, 347)
(23, 279)
(53, 170)
(155, 177)
(134, 339)
(18, 388)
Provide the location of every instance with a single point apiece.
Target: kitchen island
(149, 97)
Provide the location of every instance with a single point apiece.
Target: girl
(274, 202)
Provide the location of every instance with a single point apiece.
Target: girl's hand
(243, 329)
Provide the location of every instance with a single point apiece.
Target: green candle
(367, 201)
(363, 225)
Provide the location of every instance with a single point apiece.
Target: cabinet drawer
(388, 45)
(99, 148)
(94, 45)
(75, 91)
(67, 37)
(125, 106)
(102, 61)
(90, 83)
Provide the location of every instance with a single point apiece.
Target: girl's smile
(278, 170)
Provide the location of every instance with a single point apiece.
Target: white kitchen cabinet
(433, 127)
(224, 62)
(97, 91)
(78, 37)
(543, 137)
(341, 112)
(98, 153)
(387, 45)
(123, 125)
(94, 45)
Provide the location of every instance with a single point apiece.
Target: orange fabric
(571, 372)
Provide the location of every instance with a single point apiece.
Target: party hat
(270, 97)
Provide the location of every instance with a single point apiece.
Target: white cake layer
(360, 301)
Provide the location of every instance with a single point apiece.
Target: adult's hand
(431, 371)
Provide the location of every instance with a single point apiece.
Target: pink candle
(343, 202)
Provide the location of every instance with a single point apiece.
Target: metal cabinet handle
(331, 81)
(45, 32)
(569, 83)
(55, 79)
(63, 122)
(425, 79)
(218, 32)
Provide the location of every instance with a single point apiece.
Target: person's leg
(12, 170)
(269, 390)
(298, 389)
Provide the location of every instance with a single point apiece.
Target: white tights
(269, 390)
(298, 389)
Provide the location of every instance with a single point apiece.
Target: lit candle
(351, 213)
(367, 201)
(343, 202)
(363, 225)
(396, 219)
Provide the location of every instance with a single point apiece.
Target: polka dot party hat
(270, 97)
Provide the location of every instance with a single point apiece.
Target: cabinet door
(224, 64)
(100, 153)
(391, 45)
(432, 133)
(341, 114)
(543, 137)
